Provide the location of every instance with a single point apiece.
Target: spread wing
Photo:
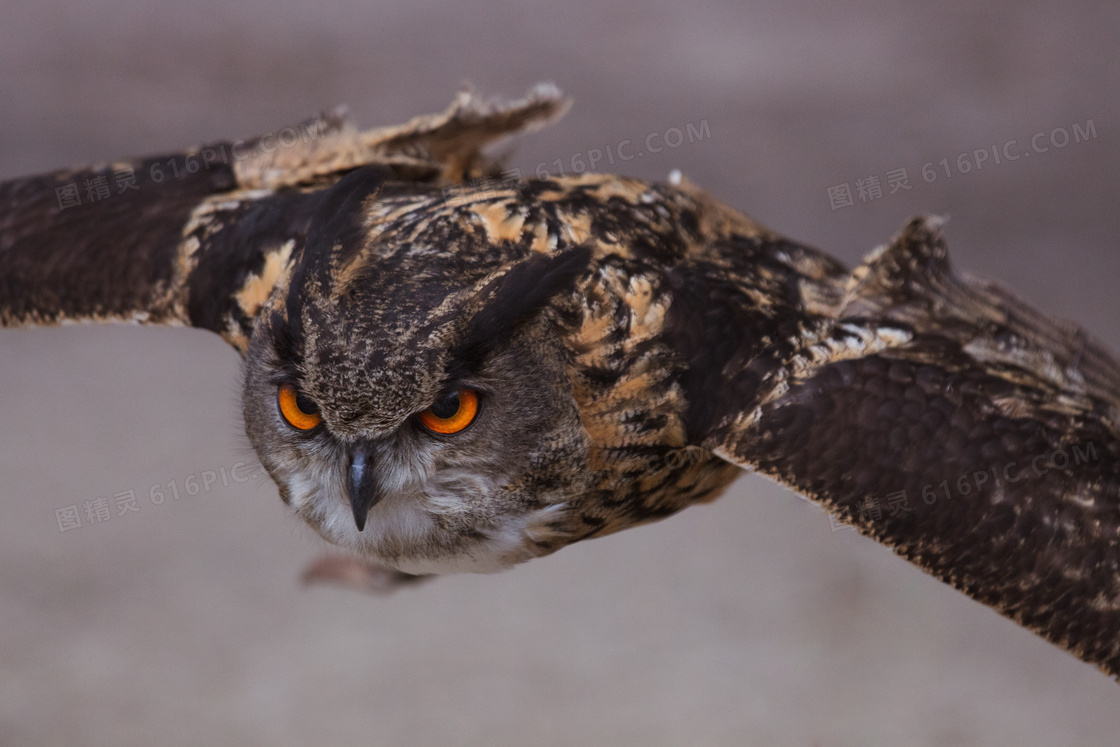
(201, 238)
(953, 423)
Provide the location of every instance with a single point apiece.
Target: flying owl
(446, 371)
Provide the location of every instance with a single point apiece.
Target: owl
(449, 370)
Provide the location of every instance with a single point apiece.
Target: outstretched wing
(201, 238)
(951, 422)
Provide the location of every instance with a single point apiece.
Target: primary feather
(632, 347)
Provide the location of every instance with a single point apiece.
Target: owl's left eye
(451, 414)
(298, 411)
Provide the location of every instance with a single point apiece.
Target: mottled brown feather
(689, 342)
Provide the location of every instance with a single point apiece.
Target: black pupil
(306, 406)
(446, 407)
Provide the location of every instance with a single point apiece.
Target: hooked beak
(361, 485)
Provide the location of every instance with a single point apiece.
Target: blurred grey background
(745, 622)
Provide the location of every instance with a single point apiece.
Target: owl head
(405, 386)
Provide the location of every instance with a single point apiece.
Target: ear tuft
(514, 298)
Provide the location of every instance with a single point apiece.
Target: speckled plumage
(636, 345)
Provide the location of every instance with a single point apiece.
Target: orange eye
(299, 412)
(453, 413)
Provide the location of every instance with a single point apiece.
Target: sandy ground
(745, 622)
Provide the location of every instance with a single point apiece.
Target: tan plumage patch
(500, 222)
(575, 226)
(258, 287)
(622, 318)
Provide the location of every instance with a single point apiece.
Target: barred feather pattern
(932, 410)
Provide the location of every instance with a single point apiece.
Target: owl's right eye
(297, 410)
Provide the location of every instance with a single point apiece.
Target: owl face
(431, 427)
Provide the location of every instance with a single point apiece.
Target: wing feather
(978, 439)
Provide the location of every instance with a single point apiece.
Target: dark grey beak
(362, 485)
